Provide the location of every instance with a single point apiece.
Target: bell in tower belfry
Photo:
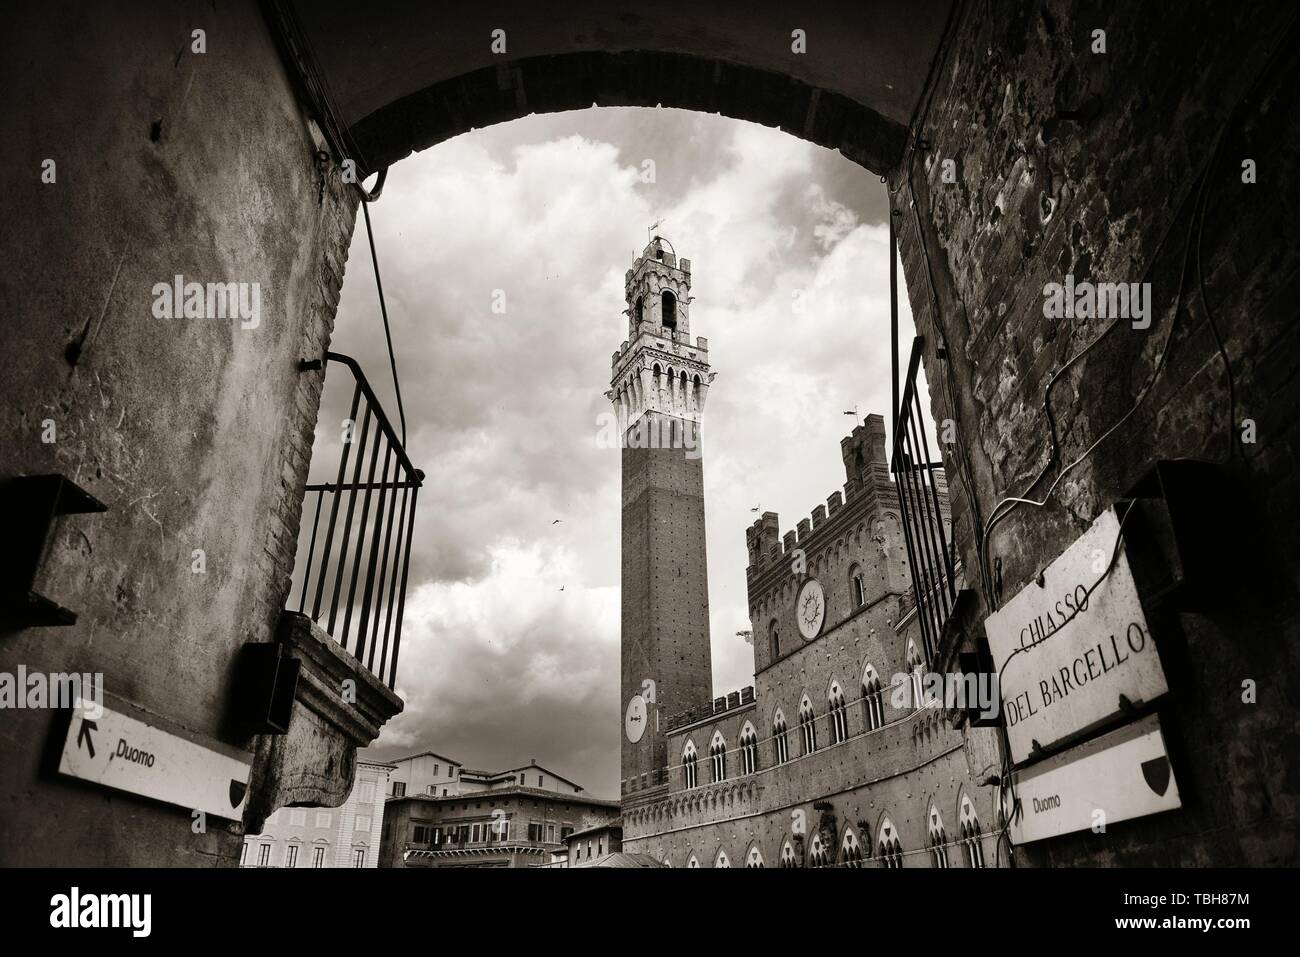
(659, 385)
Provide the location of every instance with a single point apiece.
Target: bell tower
(659, 384)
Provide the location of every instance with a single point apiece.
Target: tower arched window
(873, 700)
(748, 749)
(850, 849)
(839, 714)
(780, 742)
(640, 310)
(808, 726)
(971, 835)
(774, 639)
(690, 770)
(889, 846)
(938, 839)
(857, 587)
(669, 310)
(718, 756)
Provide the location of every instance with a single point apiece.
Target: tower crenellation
(657, 368)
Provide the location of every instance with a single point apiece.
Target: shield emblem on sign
(237, 791)
(1156, 773)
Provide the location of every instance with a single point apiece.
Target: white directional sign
(115, 750)
(1067, 656)
(1117, 777)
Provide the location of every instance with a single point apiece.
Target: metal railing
(930, 554)
(358, 574)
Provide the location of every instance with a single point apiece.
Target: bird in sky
(756, 508)
(557, 521)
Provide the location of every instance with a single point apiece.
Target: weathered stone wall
(195, 432)
(1070, 161)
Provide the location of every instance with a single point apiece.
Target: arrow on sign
(84, 735)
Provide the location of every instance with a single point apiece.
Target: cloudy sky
(511, 640)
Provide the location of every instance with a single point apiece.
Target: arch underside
(575, 81)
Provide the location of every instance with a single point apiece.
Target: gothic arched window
(817, 856)
(669, 310)
(780, 742)
(857, 587)
(774, 639)
(808, 726)
(718, 756)
(754, 859)
(787, 855)
(721, 860)
(915, 668)
(969, 827)
(839, 714)
(938, 839)
(748, 749)
(873, 699)
(850, 849)
(891, 850)
(689, 770)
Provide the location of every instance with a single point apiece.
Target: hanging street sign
(115, 750)
(1117, 777)
(1067, 657)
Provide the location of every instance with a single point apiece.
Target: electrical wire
(1196, 228)
(383, 309)
(1008, 503)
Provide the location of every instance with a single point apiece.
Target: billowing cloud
(503, 253)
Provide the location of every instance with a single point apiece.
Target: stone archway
(407, 76)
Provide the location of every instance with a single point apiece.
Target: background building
(441, 814)
(346, 836)
(832, 757)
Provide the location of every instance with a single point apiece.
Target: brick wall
(665, 591)
(1070, 161)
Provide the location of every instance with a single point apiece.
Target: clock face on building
(810, 609)
(634, 721)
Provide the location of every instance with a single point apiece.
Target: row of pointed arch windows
(889, 851)
(718, 757)
(873, 718)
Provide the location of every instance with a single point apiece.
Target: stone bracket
(314, 763)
